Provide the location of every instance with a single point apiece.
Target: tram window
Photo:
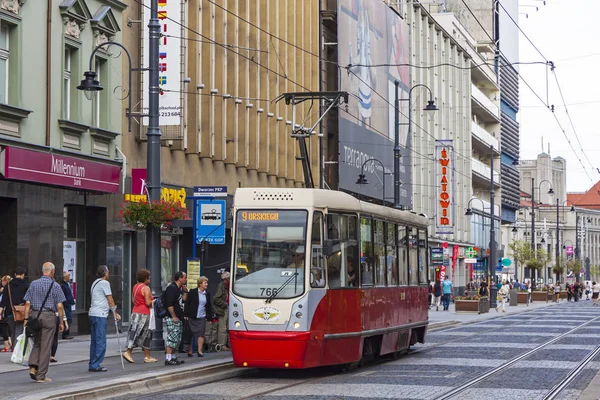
(391, 255)
(317, 269)
(366, 252)
(342, 271)
(402, 256)
(379, 247)
(413, 258)
(423, 264)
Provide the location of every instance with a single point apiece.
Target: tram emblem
(266, 314)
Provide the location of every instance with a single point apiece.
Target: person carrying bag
(18, 310)
(34, 325)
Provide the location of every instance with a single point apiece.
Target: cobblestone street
(450, 358)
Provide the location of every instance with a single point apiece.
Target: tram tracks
(556, 389)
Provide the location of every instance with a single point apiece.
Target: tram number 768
(268, 291)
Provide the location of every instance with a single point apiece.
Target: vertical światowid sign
(444, 155)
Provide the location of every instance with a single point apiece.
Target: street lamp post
(515, 230)
(431, 107)
(362, 180)
(153, 134)
(491, 263)
(533, 247)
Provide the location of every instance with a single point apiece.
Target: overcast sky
(566, 32)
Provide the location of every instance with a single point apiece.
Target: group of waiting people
(49, 303)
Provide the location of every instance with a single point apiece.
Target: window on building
(67, 84)
(99, 100)
(366, 252)
(379, 253)
(342, 264)
(402, 256)
(4, 55)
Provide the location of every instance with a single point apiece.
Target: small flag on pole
(162, 80)
(162, 67)
(162, 55)
(162, 14)
(162, 3)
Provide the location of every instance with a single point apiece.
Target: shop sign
(139, 189)
(56, 169)
(445, 187)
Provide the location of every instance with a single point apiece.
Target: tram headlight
(237, 324)
(236, 314)
(298, 315)
(296, 325)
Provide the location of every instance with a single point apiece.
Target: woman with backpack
(139, 333)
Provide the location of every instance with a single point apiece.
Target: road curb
(153, 381)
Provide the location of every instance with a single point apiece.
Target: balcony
(483, 106)
(483, 172)
(484, 137)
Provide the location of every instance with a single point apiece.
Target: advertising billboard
(170, 63)
(373, 46)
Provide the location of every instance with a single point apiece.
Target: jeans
(98, 341)
(446, 300)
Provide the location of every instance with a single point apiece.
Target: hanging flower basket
(159, 214)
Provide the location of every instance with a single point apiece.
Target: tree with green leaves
(595, 272)
(574, 266)
(559, 268)
(521, 252)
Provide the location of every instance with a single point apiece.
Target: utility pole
(493, 261)
(533, 230)
(153, 163)
(397, 145)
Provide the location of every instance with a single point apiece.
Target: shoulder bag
(35, 325)
(18, 311)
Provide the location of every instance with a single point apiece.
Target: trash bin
(513, 297)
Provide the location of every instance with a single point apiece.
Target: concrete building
(60, 180)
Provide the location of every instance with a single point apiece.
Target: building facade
(60, 177)
(222, 67)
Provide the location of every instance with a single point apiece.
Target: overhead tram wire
(530, 88)
(570, 120)
(283, 76)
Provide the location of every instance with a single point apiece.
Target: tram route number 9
(268, 291)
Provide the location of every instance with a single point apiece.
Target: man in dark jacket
(18, 287)
(221, 309)
(66, 288)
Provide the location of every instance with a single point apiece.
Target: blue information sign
(210, 191)
(209, 218)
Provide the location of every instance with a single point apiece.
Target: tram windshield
(270, 250)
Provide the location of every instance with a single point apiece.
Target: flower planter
(466, 306)
(522, 298)
(539, 296)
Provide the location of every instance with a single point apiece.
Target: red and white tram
(321, 278)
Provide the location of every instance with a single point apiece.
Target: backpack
(160, 310)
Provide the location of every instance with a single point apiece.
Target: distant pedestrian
(221, 309)
(569, 292)
(588, 290)
(139, 333)
(471, 286)
(4, 329)
(16, 289)
(437, 293)
(557, 292)
(446, 292)
(101, 304)
(503, 292)
(517, 285)
(44, 299)
(595, 293)
(197, 311)
(55, 341)
(483, 289)
(68, 305)
(175, 295)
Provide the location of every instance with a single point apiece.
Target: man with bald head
(43, 300)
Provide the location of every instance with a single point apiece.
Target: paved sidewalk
(439, 319)
(70, 374)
